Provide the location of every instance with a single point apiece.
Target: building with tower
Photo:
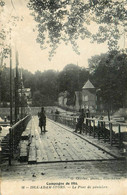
(86, 99)
(89, 96)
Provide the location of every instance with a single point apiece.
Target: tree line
(107, 72)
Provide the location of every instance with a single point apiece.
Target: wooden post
(74, 122)
(83, 127)
(104, 131)
(1, 67)
(21, 95)
(119, 134)
(94, 128)
(10, 145)
(98, 129)
(13, 140)
(89, 127)
(86, 125)
(16, 90)
(110, 127)
(0, 155)
(11, 100)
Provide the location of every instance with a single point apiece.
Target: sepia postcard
(63, 97)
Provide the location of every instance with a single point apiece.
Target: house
(89, 96)
(86, 98)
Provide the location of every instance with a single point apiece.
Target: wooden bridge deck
(58, 144)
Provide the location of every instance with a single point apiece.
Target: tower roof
(88, 85)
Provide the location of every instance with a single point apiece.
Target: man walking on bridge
(42, 119)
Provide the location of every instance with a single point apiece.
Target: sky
(31, 57)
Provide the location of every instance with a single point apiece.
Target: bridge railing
(11, 140)
(66, 120)
(112, 132)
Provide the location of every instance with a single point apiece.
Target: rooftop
(88, 85)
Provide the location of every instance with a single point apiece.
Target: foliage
(68, 20)
(110, 76)
(7, 27)
(4, 51)
(45, 86)
(5, 85)
(72, 78)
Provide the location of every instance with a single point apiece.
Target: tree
(37, 98)
(5, 32)
(94, 61)
(28, 79)
(110, 75)
(68, 20)
(68, 78)
(5, 92)
(5, 36)
(44, 84)
(72, 79)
